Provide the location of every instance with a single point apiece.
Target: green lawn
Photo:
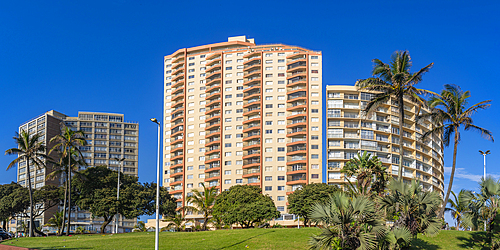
(231, 239)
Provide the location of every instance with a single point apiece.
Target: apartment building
(237, 113)
(350, 131)
(108, 137)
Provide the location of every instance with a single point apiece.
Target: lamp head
(155, 121)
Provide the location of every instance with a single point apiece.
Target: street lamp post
(118, 190)
(484, 178)
(484, 160)
(157, 232)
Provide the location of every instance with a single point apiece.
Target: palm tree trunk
(205, 220)
(69, 191)
(30, 190)
(450, 184)
(64, 206)
(401, 121)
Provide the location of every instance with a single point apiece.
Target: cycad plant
(450, 113)
(457, 207)
(56, 221)
(411, 207)
(346, 223)
(67, 142)
(371, 176)
(203, 202)
(395, 80)
(30, 148)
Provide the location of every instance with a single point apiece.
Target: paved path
(7, 247)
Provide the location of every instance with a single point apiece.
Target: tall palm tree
(457, 207)
(371, 176)
(60, 169)
(450, 112)
(68, 141)
(395, 80)
(346, 223)
(32, 150)
(202, 202)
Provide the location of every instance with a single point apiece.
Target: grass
(273, 238)
(278, 238)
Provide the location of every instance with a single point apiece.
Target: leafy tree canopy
(301, 200)
(96, 192)
(244, 205)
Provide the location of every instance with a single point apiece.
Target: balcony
(251, 126)
(252, 80)
(297, 65)
(299, 96)
(251, 153)
(296, 150)
(296, 131)
(215, 166)
(251, 163)
(296, 169)
(296, 179)
(251, 119)
(297, 73)
(251, 172)
(296, 140)
(252, 110)
(296, 159)
(296, 105)
(251, 144)
(296, 81)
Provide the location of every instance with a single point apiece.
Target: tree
(60, 169)
(13, 200)
(202, 202)
(371, 176)
(301, 200)
(31, 150)
(244, 205)
(346, 223)
(140, 227)
(416, 209)
(167, 202)
(96, 192)
(177, 222)
(450, 112)
(395, 80)
(56, 221)
(457, 207)
(67, 142)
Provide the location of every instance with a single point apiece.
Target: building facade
(238, 113)
(351, 131)
(108, 137)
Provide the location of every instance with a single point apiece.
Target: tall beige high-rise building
(351, 131)
(108, 137)
(237, 113)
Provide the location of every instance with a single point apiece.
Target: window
(280, 208)
(281, 149)
(314, 111)
(268, 188)
(269, 168)
(281, 188)
(314, 137)
(269, 75)
(269, 123)
(229, 68)
(227, 181)
(314, 146)
(227, 172)
(314, 71)
(269, 159)
(314, 156)
(227, 145)
(189, 176)
(227, 163)
(269, 131)
(314, 57)
(281, 158)
(314, 119)
(269, 106)
(314, 176)
(281, 198)
(239, 180)
(268, 178)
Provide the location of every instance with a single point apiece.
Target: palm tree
(202, 202)
(395, 80)
(416, 209)
(32, 150)
(457, 207)
(176, 222)
(483, 205)
(141, 227)
(68, 141)
(370, 175)
(346, 223)
(60, 168)
(450, 112)
(56, 221)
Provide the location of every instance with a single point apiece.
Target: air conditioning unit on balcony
(388, 156)
(388, 145)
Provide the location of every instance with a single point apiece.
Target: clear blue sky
(107, 56)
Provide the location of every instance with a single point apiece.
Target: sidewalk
(7, 247)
